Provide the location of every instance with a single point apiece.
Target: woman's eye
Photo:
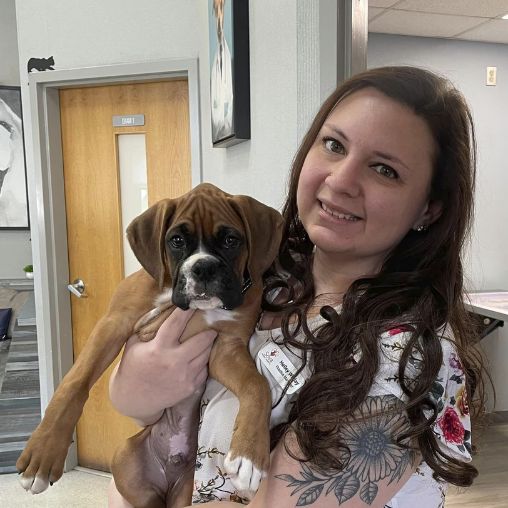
(333, 145)
(385, 170)
(177, 241)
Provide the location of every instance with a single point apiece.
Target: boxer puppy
(206, 250)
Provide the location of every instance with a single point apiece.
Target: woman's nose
(346, 177)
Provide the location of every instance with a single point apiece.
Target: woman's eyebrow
(337, 131)
(390, 158)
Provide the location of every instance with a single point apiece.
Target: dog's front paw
(244, 475)
(34, 484)
(42, 461)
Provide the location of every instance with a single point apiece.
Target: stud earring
(421, 227)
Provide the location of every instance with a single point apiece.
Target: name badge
(280, 367)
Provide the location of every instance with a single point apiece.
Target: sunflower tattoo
(374, 456)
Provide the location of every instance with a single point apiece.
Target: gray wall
(16, 251)
(465, 64)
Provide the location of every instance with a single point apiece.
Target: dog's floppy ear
(263, 227)
(146, 235)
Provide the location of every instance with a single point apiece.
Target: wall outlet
(491, 76)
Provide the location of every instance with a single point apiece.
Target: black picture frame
(13, 178)
(229, 72)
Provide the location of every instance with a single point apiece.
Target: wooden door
(95, 229)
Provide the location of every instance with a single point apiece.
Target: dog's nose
(204, 270)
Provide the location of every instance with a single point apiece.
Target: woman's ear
(431, 213)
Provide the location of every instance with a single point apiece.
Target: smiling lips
(339, 215)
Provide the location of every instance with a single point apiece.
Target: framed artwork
(13, 187)
(229, 71)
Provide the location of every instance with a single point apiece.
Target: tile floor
(76, 489)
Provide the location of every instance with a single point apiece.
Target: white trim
(352, 37)
(94, 472)
(47, 213)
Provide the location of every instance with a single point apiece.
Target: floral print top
(452, 427)
(453, 424)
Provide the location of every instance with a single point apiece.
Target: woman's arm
(377, 470)
(155, 375)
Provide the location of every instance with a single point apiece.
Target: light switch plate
(491, 76)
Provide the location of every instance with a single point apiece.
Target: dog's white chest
(212, 316)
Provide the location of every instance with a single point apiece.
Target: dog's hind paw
(244, 475)
(34, 485)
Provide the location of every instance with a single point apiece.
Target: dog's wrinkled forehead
(205, 215)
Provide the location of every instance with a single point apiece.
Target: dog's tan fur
(230, 363)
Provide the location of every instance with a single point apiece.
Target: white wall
(80, 33)
(15, 251)
(285, 79)
(465, 64)
(9, 70)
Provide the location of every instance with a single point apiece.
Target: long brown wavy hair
(421, 279)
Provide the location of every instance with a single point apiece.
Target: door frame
(47, 206)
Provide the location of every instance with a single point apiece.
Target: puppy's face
(207, 267)
(206, 244)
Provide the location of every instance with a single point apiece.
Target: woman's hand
(155, 375)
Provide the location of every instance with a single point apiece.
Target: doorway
(48, 191)
(124, 147)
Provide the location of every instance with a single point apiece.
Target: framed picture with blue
(229, 71)
(13, 186)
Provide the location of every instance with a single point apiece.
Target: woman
(366, 305)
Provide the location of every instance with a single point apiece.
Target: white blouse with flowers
(219, 408)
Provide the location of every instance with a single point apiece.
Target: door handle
(77, 288)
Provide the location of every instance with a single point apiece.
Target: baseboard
(93, 471)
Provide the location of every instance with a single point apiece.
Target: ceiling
(472, 20)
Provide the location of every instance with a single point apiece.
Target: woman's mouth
(339, 215)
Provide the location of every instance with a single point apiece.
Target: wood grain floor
(490, 489)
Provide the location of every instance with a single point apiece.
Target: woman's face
(366, 180)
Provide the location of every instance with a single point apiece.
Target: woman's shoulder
(394, 341)
(448, 391)
(396, 338)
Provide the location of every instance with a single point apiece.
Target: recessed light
(505, 16)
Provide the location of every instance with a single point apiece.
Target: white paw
(244, 475)
(34, 485)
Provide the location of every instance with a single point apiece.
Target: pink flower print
(399, 329)
(455, 362)
(453, 430)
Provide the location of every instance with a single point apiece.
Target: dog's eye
(177, 242)
(231, 242)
